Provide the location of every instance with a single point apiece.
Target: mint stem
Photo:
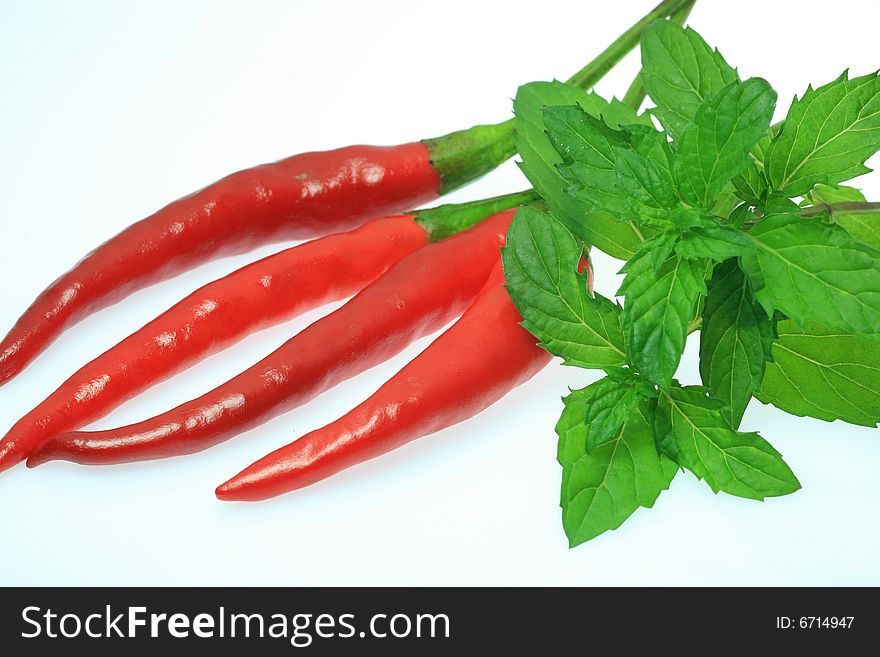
(590, 74)
(635, 95)
(849, 207)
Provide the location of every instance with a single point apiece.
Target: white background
(111, 109)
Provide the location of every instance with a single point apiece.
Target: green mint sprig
(726, 223)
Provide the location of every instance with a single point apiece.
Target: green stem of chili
(451, 218)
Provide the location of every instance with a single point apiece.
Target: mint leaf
(659, 306)
(741, 214)
(662, 246)
(646, 191)
(600, 490)
(827, 194)
(725, 202)
(539, 158)
(865, 227)
(653, 145)
(606, 168)
(714, 241)
(679, 71)
(540, 264)
(777, 203)
(750, 184)
(716, 146)
(734, 339)
(738, 463)
(572, 431)
(823, 373)
(540, 161)
(827, 136)
(686, 218)
(759, 152)
(617, 172)
(811, 270)
(614, 113)
(612, 400)
(588, 149)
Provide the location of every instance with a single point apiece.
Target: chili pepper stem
(445, 220)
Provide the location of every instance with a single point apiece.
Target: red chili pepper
(260, 294)
(302, 196)
(468, 368)
(420, 294)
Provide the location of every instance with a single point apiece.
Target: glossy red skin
(216, 315)
(467, 369)
(420, 294)
(299, 197)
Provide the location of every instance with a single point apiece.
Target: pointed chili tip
(247, 486)
(230, 491)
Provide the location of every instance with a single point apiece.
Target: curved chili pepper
(262, 293)
(417, 296)
(299, 197)
(467, 369)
